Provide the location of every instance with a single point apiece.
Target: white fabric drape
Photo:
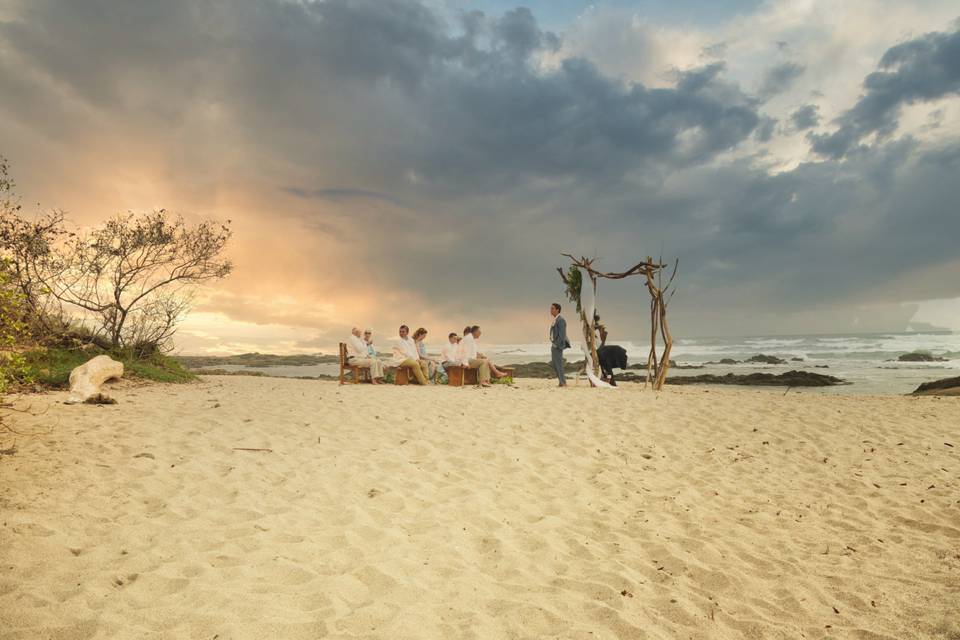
(589, 305)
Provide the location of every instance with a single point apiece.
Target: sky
(427, 161)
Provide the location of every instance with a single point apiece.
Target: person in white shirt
(359, 355)
(475, 335)
(405, 354)
(469, 358)
(450, 352)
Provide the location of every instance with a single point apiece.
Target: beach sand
(527, 512)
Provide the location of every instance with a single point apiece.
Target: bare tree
(128, 272)
(130, 278)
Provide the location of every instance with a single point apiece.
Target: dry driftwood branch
(587, 325)
(658, 365)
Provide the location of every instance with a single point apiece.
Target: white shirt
(356, 347)
(468, 349)
(450, 352)
(406, 348)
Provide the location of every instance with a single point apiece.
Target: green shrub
(13, 332)
(52, 367)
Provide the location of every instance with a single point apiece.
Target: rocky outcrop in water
(757, 359)
(788, 379)
(642, 366)
(944, 387)
(762, 359)
(542, 369)
(920, 356)
(258, 360)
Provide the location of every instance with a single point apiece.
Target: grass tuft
(52, 367)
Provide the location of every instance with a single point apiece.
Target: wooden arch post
(657, 365)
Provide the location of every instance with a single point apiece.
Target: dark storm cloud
(766, 129)
(778, 79)
(468, 104)
(806, 117)
(496, 123)
(823, 235)
(920, 70)
(467, 150)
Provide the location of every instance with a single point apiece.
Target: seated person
(419, 338)
(470, 358)
(497, 373)
(450, 352)
(358, 355)
(368, 340)
(405, 354)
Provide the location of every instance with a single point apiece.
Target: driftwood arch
(657, 364)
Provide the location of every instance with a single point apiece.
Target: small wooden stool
(403, 376)
(459, 375)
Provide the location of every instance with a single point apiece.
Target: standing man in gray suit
(558, 342)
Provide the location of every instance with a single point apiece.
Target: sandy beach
(525, 512)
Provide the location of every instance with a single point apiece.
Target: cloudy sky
(426, 161)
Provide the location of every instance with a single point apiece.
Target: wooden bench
(358, 374)
(402, 375)
(459, 375)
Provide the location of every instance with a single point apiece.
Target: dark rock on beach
(674, 365)
(542, 369)
(920, 356)
(788, 379)
(944, 387)
(642, 366)
(762, 359)
(757, 359)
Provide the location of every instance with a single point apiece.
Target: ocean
(867, 361)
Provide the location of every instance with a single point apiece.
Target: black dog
(611, 357)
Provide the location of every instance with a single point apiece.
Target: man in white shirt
(405, 354)
(358, 355)
(470, 358)
(497, 373)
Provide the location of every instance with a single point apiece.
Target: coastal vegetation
(51, 367)
(119, 288)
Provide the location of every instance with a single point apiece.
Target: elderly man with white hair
(359, 355)
(368, 340)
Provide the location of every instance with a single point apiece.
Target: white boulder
(85, 380)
